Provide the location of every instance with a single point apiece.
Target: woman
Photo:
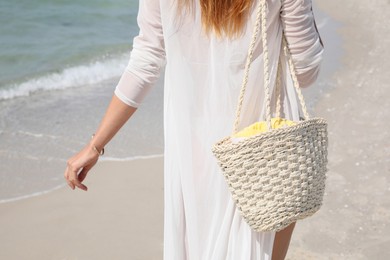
(203, 46)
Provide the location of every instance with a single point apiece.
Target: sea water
(59, 64)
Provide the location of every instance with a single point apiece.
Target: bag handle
(261, 16)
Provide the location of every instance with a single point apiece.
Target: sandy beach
(354, 220)
(121, 215)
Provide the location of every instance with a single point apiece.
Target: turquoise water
(59, 64)
(40, 37)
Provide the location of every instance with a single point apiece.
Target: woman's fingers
(67, 177)
(73, 180)
(76, 182)
(71, 176)
(70, 184)
(83, 173)
(78, 166)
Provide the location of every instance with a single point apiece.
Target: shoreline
(37, 137)
(105, 159)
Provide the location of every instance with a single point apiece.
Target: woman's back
(203, 77)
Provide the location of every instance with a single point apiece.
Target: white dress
(202, 82)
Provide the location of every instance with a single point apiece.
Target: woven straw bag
(278, 176)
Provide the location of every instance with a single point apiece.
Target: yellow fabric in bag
(260, 127)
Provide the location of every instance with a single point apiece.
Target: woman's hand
(79, 165)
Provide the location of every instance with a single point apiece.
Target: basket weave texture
(277, 177)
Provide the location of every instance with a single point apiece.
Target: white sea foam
(68, 78)
(26, 133)
(133, 158)
(35, 194)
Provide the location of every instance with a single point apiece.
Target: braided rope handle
(278, 93)
(294, 77)
(248, 64)
(261, 13)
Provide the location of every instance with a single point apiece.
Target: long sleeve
(303, 39)
(147, 56)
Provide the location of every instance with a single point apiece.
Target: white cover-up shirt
(202, 82)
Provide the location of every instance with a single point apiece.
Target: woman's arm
(79, 165)
(146, 60)
(303, 39)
